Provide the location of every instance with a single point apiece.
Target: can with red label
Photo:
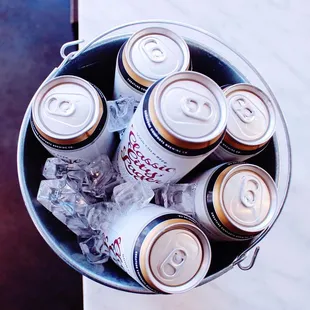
(235, 201)
(250, 125)
(178, 123)
(70, 118)
(149, 55)
(161, 249)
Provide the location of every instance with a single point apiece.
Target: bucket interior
(97, 66)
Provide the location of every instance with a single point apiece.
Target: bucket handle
(240, 259)
(69, 44)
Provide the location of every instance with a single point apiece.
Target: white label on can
(225, 153)
(122, 237)
(124, 85)
(140, 157)
(201, 211)
(123, 89)
(104, 143)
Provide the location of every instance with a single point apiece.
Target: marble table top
(274, 36)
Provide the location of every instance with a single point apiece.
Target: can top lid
(252, 117)
(66, 107)
(249, 197)
(176, 257)
(191, 106)
(155, 52)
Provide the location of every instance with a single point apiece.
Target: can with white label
(148, 55)
(70, 117)
(235, 201)
(161, 249)
(250, 125)
(179, 122)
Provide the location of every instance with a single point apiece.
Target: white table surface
(274, 36)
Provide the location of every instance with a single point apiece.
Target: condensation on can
(161, 249)
(250, 125)
(235, 202)
(180, 121)
(69, 118)
(147, 56)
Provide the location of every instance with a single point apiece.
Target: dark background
(31, 275)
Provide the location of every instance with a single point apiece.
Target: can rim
(205, 262)
(37, 99)
(273, 197)
(204, 81)
(268, 104)
(155, 30)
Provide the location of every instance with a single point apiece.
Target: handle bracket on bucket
(68, 44)
(243, 257)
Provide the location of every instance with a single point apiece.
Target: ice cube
(101, 215)
(54, 168)
(180, 197)
(67, 205)
(76, 179)
(95, 249)
(130, 195)
(102, 177)
(79, 225)
(121, 112)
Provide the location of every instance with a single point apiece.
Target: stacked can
(250, 125)
(235, 201)
(148, 55)
(178, 123)
(69, 118)
(161, 249)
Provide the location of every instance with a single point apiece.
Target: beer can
(235, 201)
(250, 125)
(179, 122)
(70, 117)
(161, 249)
(149, 55)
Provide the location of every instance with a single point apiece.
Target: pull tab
(154, 50)
(244, 109)
(60, 106)
(250, 192)
(197, 108)
(173, 263)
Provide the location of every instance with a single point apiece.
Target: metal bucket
(96, 63)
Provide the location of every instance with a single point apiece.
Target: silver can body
(225, 153)
(102, 143)
(159, 149)
(70, 118)
(207, 216)
(131, 247)
(250, 124)
(124, 86)
(235, 202)
(146, 57)
(122, 237)
(140, 157)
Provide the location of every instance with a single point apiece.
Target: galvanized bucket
(96, 63)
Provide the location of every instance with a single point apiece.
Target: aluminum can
(179, 122)
(70, 118)
(250, 125)
(235, 201)
(161, 249)
(148, 55)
